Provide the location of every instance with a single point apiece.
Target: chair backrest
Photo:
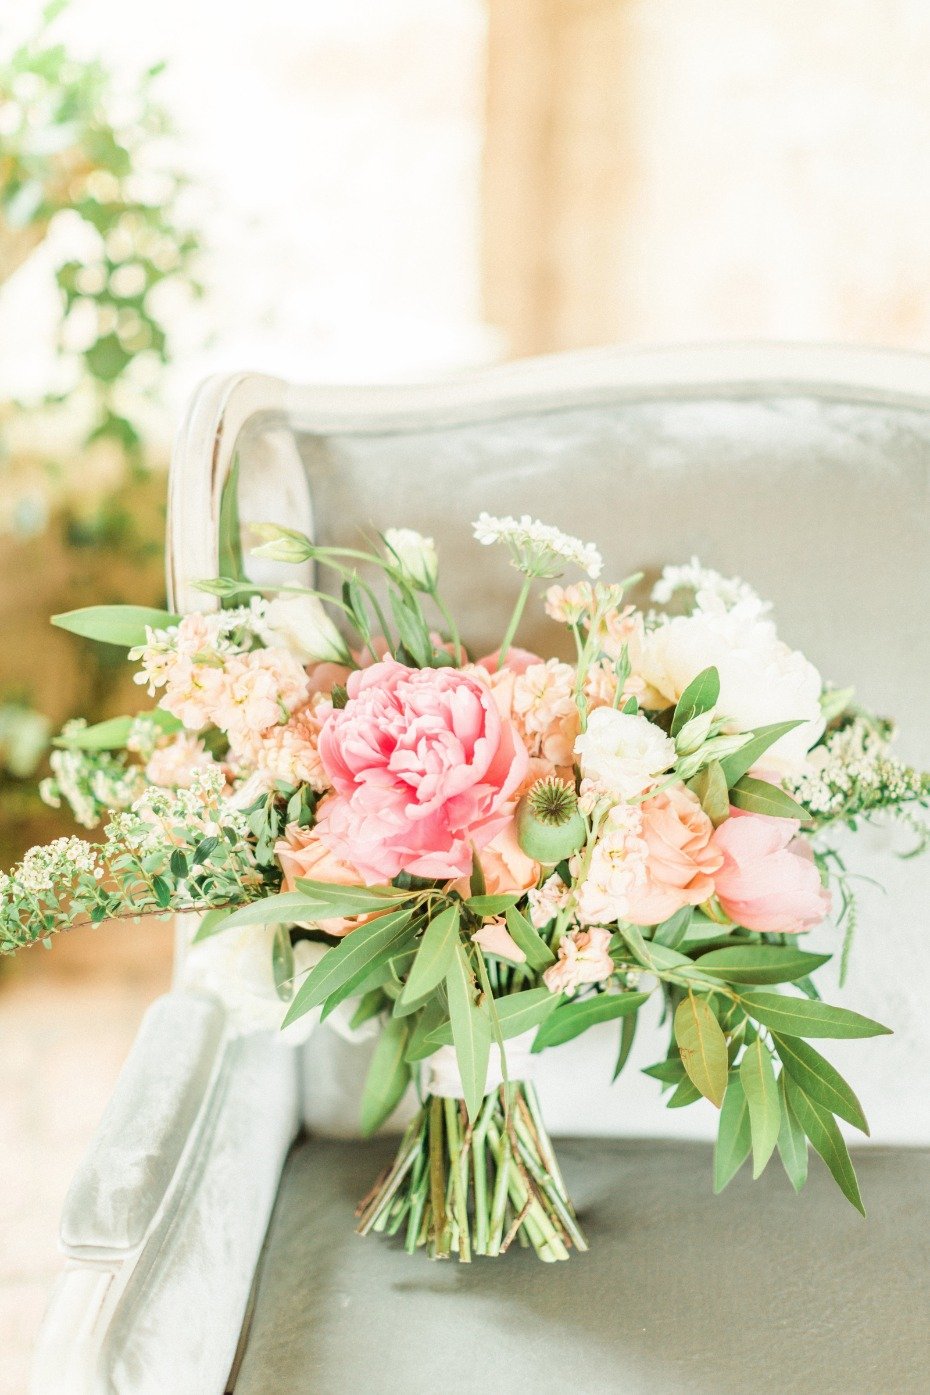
(806, 471)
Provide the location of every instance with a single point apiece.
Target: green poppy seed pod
(549, 824)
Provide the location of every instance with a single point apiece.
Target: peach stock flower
(769, 880)
(682, 857)
(173, 764)
(615, 868)
(290, 753)
(583, 958)
(259, 690)
(424, 767)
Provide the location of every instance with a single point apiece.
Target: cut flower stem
(457, 1189)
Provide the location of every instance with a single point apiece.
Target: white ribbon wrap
(444, 1079)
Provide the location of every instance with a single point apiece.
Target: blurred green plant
(88, 168)
(78, 145)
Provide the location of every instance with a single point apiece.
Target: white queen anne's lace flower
(712, 590)
(538, 549)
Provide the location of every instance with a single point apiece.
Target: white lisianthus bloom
(761, 680)
(415, 555)
(623, 752)
(299, 624)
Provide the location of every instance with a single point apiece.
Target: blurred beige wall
(662, 170)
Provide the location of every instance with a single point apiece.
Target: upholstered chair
(208, 1233)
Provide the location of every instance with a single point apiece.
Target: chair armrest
(135, 1152)
(166, 1217)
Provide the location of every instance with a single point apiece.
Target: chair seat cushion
(756, 1290)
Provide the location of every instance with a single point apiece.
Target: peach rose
(505, 866)
(769, 880)
(300, 853)
(682, 857)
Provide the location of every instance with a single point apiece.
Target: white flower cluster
(852, 772)
(537, 548)
(44, 868)
(200, 636)
(712, 591)
(91, 782)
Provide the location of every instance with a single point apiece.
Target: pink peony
(768, 881)
(424, 767)
(682, 858)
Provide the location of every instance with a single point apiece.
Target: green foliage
(792, 1141)
(387, 1078)
(759, 797)
(434, 955)
(757, 1077)
(571, 1019)
(710, 786)
(78, 141)
(703, 1047)
(516, 1013)
(735, 766)
(734, 1133)
(699, 697)
(755, 963)
(349, 960)
(528, 939)
(820, 1081)
(123, 625)
(822, 1130)
(799, 1017)
(471, 1030)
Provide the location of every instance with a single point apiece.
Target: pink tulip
(768, 881)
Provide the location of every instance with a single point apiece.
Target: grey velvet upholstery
(756, 1292)
(823, 505)
(138, 1144)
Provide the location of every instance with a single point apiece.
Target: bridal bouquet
(487, 856)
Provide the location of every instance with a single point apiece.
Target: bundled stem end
(460, 1190)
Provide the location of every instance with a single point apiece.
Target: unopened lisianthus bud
(300, 624)
(415, 556)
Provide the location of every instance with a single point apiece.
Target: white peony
(623, 752)
(415, 555)
(299, 624)
(761, 680)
